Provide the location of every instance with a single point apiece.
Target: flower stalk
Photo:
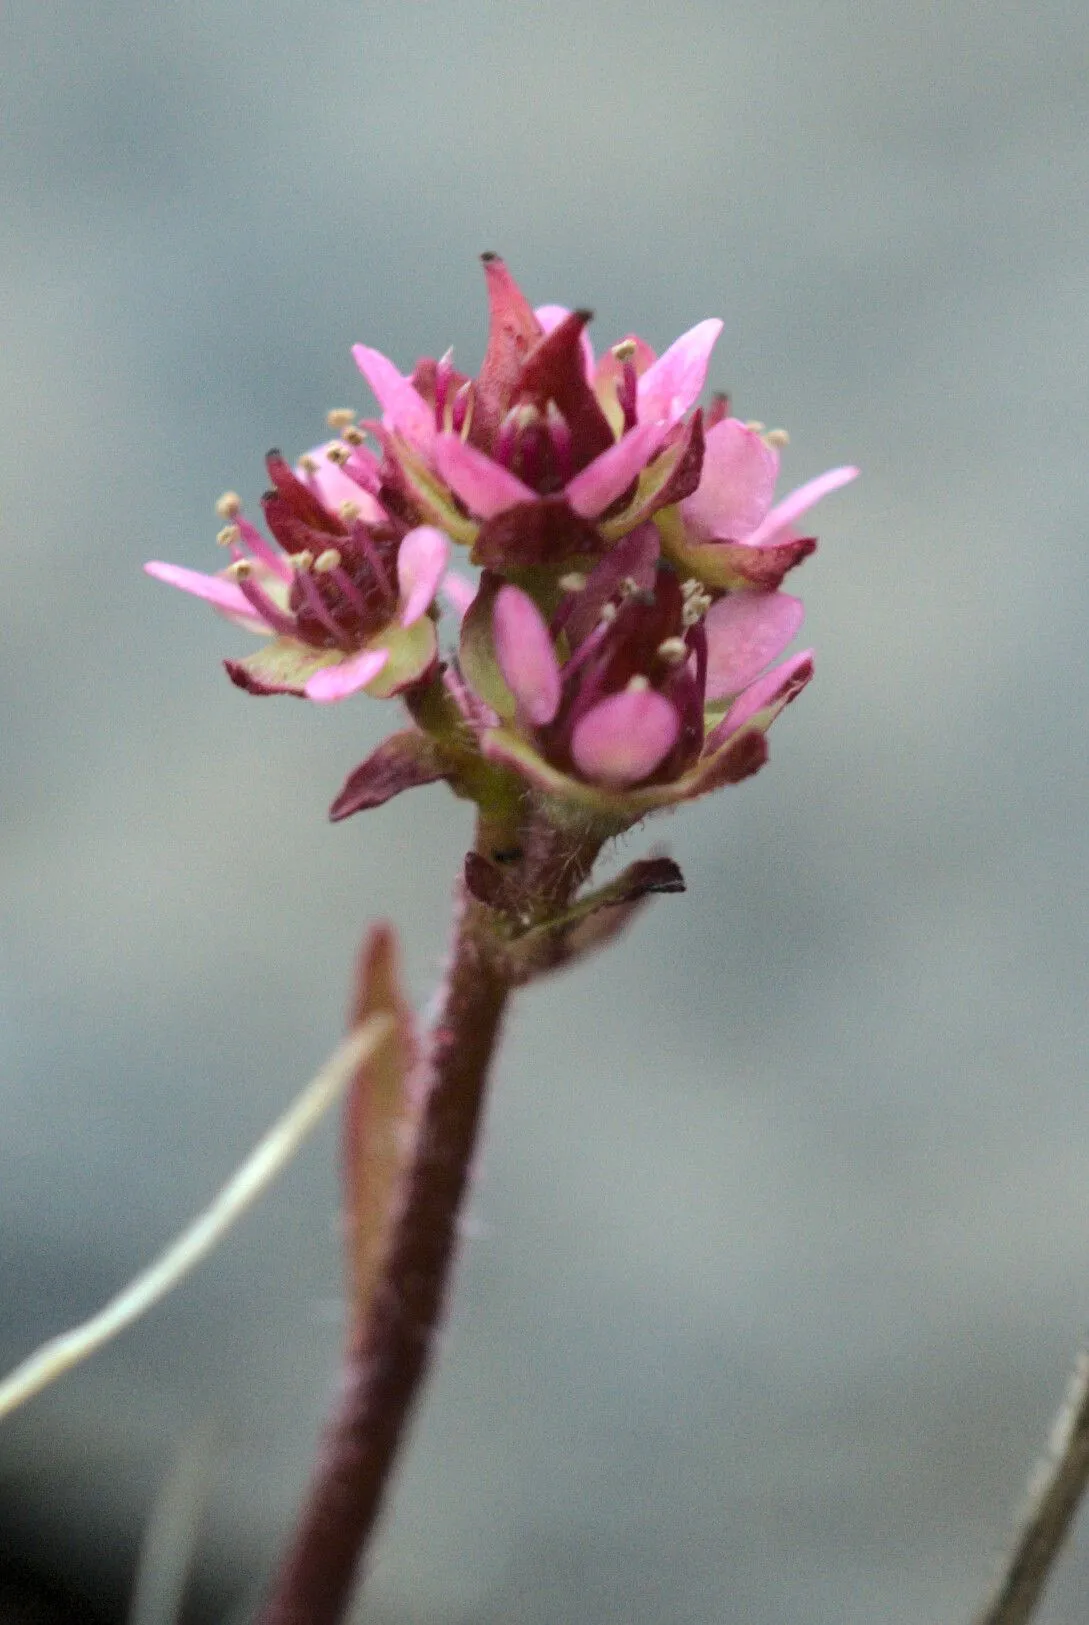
(391, 1330)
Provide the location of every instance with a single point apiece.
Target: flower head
(345, 594)
(619, 654)
(546, 456)
(639, 691)
(727, 531)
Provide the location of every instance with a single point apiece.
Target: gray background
(781, 1235)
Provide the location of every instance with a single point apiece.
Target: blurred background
(780, 1242)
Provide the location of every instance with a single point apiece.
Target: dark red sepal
(243, 678)
(765, 567)
(295, 534)
(737, 762)
(554, 371)
(299, 499)
(686, 475)
(402, 762)
(513, 333)
(544, 532)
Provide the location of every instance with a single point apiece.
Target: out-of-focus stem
(387, 1358)
(1054, 1495)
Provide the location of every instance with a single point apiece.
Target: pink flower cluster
(615, 651)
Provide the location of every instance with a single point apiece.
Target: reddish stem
(386, 1361)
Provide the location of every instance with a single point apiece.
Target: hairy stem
(387, 1359)
(1054, 1494)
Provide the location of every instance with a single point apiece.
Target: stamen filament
(362, 536)
(562, 445)
(463, 401)
(351, 592)
(263, 550)
(276, 618)
(318, 607)
(444, 372)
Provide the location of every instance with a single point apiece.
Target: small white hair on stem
(249, 1181)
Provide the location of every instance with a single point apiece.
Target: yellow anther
(239, 570)
(638, 684)
(303, 560)
(228, 505)
(625, 350)
(308, 464)
(674, 651)
(573, 581)
(340, 417)
(756, 426)
(354, 436)
(338, 454)
(349, 510)
(776, 438)
(329, 560)
(609, 613)
(228, 536)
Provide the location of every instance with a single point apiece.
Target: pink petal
(486, 487)
(225, 595)
(333, 487)
(550, 317)
(672, 384)
(457, 592)
(798, 669)
(744, 632)
(337, 682)
(624, 738)
(405, 409)
(423, 556)
(603, 480)
(783, 515)
(737, 483)
(523, 648)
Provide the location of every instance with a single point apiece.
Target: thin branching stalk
(1054, 1494)
(268, 1158)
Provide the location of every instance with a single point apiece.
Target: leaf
(379, 1120)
